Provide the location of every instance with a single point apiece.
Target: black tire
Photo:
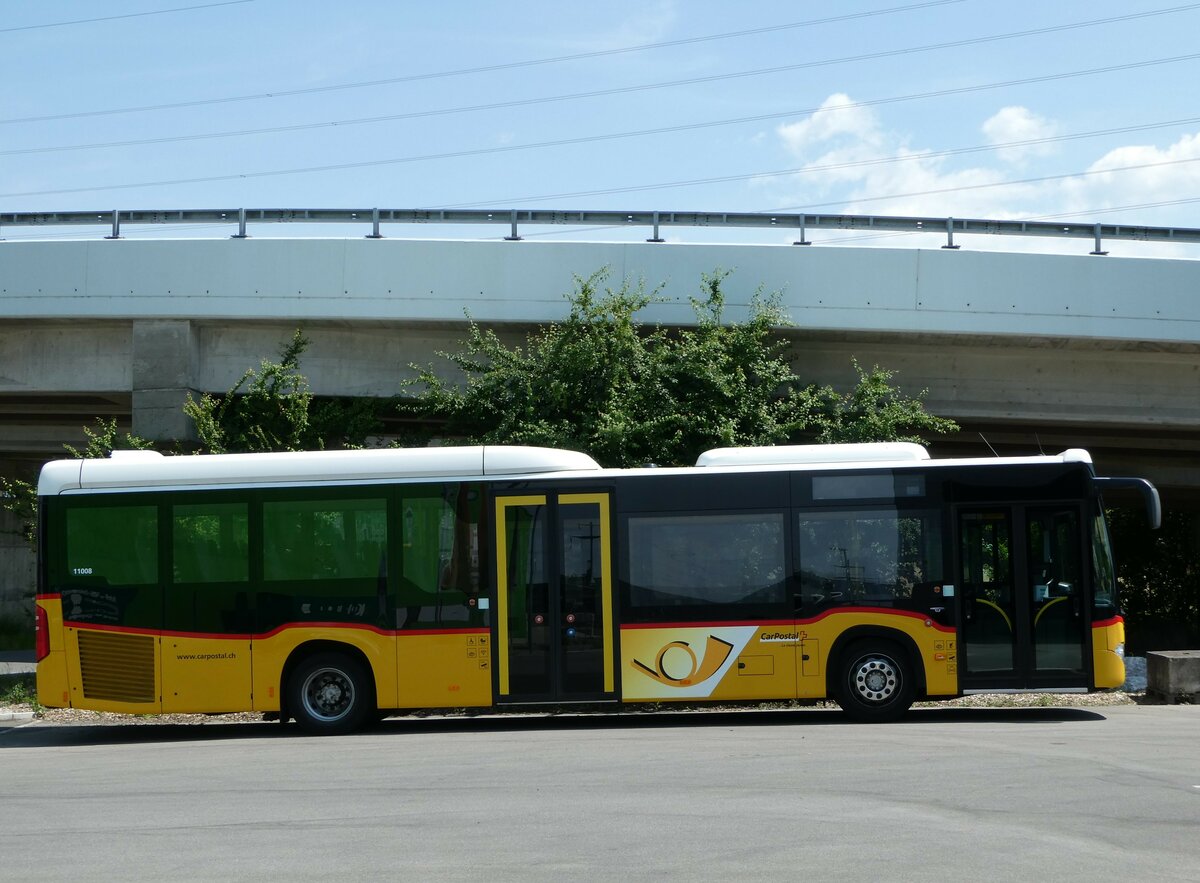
(875, 681)
(329, 694)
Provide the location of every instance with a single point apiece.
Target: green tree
(601, 381)
(272, 408)
(876, 411)
(105, 439)
(20, 497)
(1159, 578)
(727, 384)
(266, 410)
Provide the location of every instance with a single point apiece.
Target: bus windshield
(1105, 575)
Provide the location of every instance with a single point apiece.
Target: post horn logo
(668, 670)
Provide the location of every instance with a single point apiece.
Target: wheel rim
(328, 694)
(875, 679)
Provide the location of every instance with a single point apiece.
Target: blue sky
(771, 106)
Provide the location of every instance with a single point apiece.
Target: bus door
(1022, 594)
(554, 606)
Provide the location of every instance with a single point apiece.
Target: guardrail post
(1097, 250)
(241, 233)
(803, 240)
(513, 237)
(374, 234)
(655, 237)
(950, 234)
(116, 226)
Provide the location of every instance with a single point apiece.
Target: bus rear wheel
(876, 682)
(329, 694)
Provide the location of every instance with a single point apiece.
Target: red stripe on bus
(48, 596)
(1105, 623)
(96, 627)
(157, 633)
(764, 623)
(321, 625)
(387, 633)
(882, 611)
(217, 636)
(723, 623)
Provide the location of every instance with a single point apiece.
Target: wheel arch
(876, 632)
(308, 649)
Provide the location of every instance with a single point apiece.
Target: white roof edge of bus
(59, 475)
(514, 460)
(133, 469)
(1075, 455)
(782, 455)
(135, 455)
(144, 469)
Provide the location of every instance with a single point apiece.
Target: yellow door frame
(602, 501)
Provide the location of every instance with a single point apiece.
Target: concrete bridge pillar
(166, 358)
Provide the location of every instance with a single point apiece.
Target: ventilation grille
(116, 667)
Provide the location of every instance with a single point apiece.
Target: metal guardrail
(515, 218)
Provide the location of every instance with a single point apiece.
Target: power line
(1087, 173)
(411, 78)
(88, 21)
(827, 167)
(621, 90)
(612, 136)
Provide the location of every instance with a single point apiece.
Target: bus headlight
(1120, 650)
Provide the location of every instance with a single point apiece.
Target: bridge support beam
(166, 356)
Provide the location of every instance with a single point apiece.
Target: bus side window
(867, 557)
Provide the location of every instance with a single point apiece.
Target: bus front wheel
(330, 693)
(875, 683)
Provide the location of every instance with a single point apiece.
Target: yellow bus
(332, 588)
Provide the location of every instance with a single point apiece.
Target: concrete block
(165, 354)
(158, 415)
(1173, 675)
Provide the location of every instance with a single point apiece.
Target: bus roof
(794, 455)
(147, 469)
(143, 470)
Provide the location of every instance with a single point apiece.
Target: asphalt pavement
(970, 793)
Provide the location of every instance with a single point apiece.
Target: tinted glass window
(688, 560)
(324, 539)
(1103, 572)
(112, 545)
(875, 557)
(440, 576)
(210, 543)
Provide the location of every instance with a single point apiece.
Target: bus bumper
(53, 688)
(1108, 654)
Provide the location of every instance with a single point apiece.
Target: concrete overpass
(1025, 350)
(1068, 350)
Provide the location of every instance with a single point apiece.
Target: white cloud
(1016, 123)
(839, 143)
(924, 185)
(836, 118)
(1150, 174)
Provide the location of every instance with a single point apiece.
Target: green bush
(18, 690)
(1159, 579)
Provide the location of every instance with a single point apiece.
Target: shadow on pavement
(47, 735)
